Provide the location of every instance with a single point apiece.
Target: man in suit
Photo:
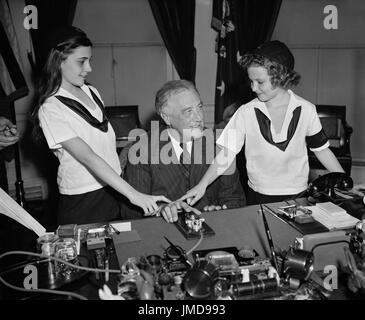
(173, 157)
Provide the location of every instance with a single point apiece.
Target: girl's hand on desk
(195, 194)
(147, 202)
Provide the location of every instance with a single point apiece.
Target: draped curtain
(12, 83)
(51, 14)
(175, 20)
(241, 26)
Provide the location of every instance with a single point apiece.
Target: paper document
(122, 226)
(331, 209)
(13, 210)
(332, 216)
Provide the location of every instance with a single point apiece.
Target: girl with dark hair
(275, 128)
(72, 117)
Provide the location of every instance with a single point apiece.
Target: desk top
(234, 227)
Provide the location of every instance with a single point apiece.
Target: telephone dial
(325, 185)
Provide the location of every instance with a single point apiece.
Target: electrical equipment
(296, 213)
(298, 264)
(199, 282)
(324, 186)
(67, 231)
(192, 227)
(95, 243)
(217, 273)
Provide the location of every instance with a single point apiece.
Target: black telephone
(325, 185)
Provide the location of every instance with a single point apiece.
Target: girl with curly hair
(276, 128)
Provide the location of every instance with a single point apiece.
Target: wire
(197, 244)
(297, 196)
(63, 293)
(22, 265)
(41, 290)
(59, 260)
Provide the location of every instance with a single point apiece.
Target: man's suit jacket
(173, 180)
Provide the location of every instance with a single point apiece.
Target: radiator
(32, 192)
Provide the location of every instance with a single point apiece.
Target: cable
(197, 244)
(59, 260)
(63, 293)
(22, 265)
(59, 292)
(297, 196)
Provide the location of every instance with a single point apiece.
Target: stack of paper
(13, 210)
(332, 216)
(331, 209)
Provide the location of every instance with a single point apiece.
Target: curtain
(12, 85)
(175, 20)
(51, 14)
(241, 26)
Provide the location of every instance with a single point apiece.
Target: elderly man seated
(172, 157)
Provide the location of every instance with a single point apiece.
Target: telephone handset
(325, 185)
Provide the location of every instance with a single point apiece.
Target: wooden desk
(235, 227)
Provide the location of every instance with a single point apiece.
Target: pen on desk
(115, 229)
(269, 239)
(275, 214)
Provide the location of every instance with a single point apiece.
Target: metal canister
(45, 244)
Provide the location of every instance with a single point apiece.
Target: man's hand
(8, 133)
(170, 211)
(214, 208)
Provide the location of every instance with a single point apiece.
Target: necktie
(185, 161)
(185, 158)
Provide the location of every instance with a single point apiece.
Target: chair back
(123, 119)
(335, 126)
